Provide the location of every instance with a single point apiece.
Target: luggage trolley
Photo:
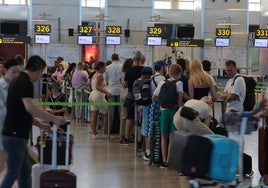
(237, 124)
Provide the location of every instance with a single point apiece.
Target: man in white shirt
(235, 89)
(112, 78)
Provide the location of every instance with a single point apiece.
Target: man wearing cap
(56, 96)
(151, 113)
(112, 78)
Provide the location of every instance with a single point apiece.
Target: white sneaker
(96, 136)
(106, 136)
(261, 186)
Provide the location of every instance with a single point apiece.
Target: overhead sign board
(15, 40)
(86, 29)
(40, 28)
(223, 32)
(185, 43)
(113, 30)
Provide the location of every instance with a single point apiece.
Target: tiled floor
(106, 164)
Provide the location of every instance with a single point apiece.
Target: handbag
(188, 113)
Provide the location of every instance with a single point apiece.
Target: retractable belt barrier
(38, 103)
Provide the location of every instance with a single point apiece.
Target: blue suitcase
(224, 159)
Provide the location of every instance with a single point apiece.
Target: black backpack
(142, 92)
(168, 96)
(250, 99)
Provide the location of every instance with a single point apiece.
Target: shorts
(131, 112)
(1, 143)
(146, 123)
(101, 109)
(154, 111)
(166, 121)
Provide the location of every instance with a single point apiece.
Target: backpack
(168, 96)
(142, 92)
(250, 99)
(68, 79)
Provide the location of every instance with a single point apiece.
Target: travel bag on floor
(39, 168)
(155, 139)
(196, 156)
(263, 139)
(247, 165)
(61, 148)
(58, 178)
(224, 158)
(176, 150)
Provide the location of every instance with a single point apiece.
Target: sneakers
(125, 142)
(146, 157)
(261, 186)
(164, 166)
(96, 136)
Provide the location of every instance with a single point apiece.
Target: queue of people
(195, 90)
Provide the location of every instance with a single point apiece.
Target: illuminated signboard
(157, 31)
(86, 29)
(261, 33)
(185, 43)
(42, 28)
(113, 30)
(223, 32)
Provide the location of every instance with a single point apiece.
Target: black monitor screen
(185, 32)
(222, 42)
(10, 28)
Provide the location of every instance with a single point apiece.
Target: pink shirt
(58, 76)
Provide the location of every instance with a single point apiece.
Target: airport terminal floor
(105, 163)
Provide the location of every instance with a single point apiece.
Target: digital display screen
(84, 39)
(222, 42)
(262, 43)
(113, 40)
(42, 39)
(154, 41)
(185, 32)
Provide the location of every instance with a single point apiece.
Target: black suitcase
(178, 144)
(61, 148)
(196, 156)
(58, 178)
(263, 150)
(247, 165)
(155, 139)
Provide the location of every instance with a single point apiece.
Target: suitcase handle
(54, 146)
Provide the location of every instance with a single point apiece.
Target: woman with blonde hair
(200, 83)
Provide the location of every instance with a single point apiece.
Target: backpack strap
(153, 78)
(235, 79)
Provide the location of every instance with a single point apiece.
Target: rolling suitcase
(224, 158)
(39, 168)
(46, 144)
(55, 177)
(155, 139)
(263, 139)
(196, 156)
(176, 150)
